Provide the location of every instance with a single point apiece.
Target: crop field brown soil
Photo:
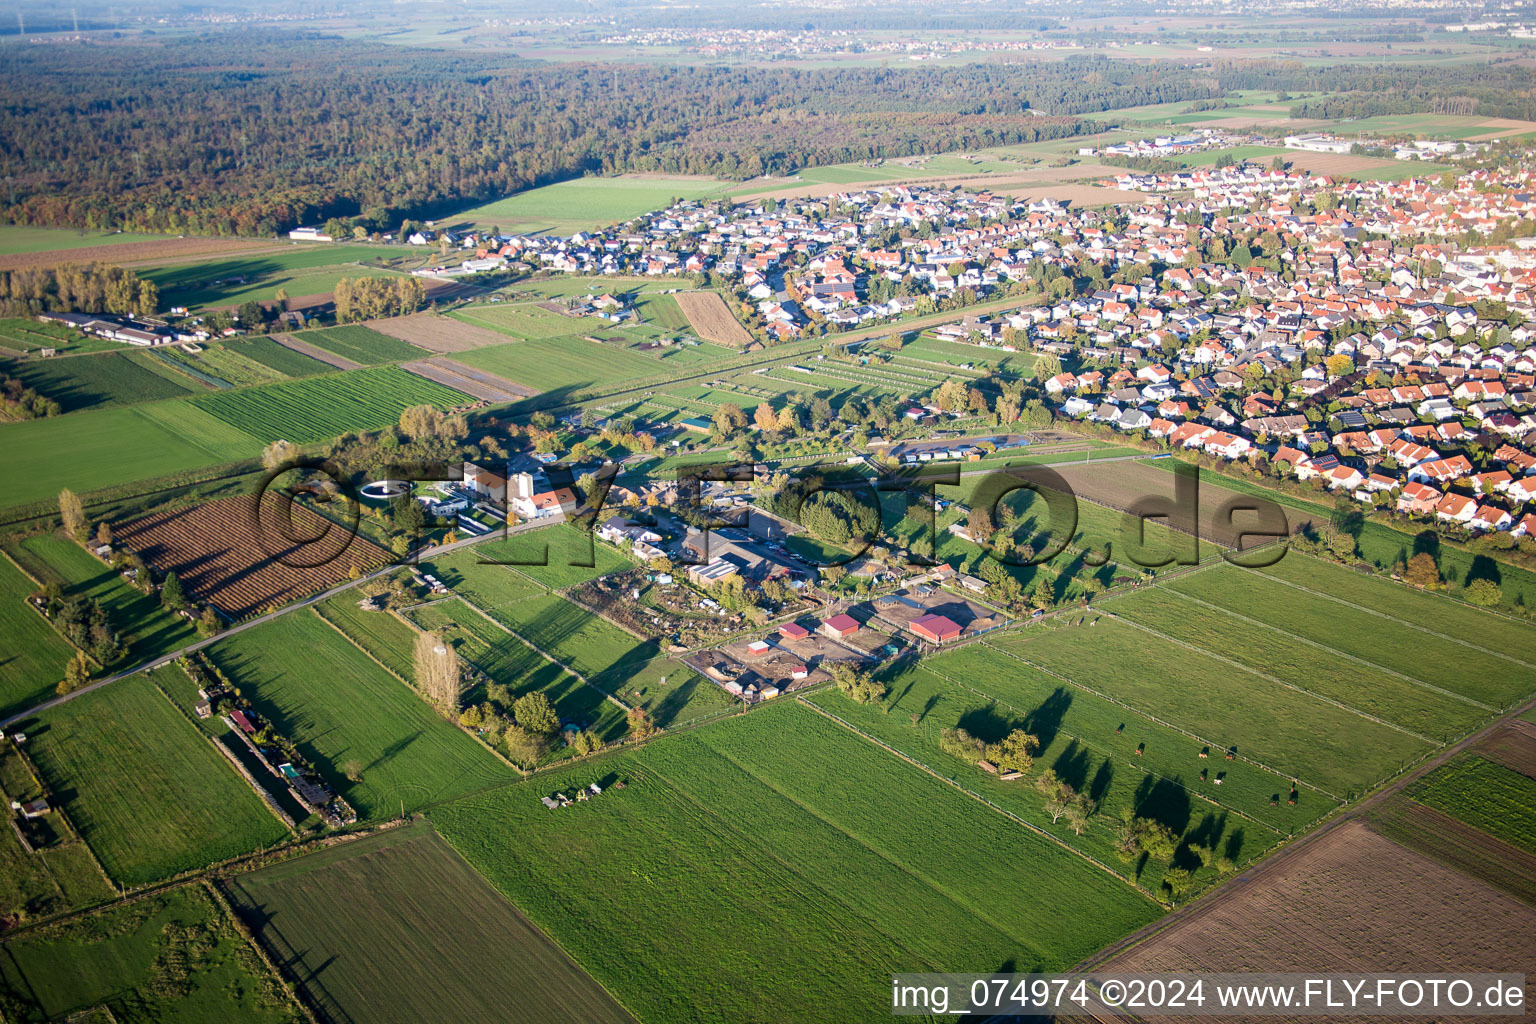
(1351, 901)
(315, 352)
(1458, 845)
(480, 383)
(438, 333)
(1338, 164)
(711, 319)
(1513, 745)
(1500, 127)
(224, 554)
(159, 250)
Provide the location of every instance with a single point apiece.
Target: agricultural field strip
(914, 762)
(1215, 745)
(1334, 652)
(547, 657)
(725, 826)
(1405, 622)
(1273, 679)
(812, 894)
(1109, 754)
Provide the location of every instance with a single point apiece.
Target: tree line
(72, 288)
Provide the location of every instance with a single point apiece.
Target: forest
(253, 133)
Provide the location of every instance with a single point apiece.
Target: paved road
(253, 623)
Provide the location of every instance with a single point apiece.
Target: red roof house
(936, 629)
(842, 624)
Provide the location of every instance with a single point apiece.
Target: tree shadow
(1163, 800)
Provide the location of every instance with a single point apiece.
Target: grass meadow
(1079, 743)
(1299, 734)
(633, 670)
(317, 408)
(362, 344)
(347, 714)
(104, 448)
(105, 379)
(569, 362)
(1278, 646)
(147, 626)
(174, 956)
(509, 661)
(36, 652)
(366, 925)
(888, 870)
(379, 633)
(304, 269)
(143, 786)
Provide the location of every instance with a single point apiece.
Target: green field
(305, 269)
(560, 547)
(279, 358)
(570, 363)
(344, 711)
(1417, 646)
(935, 350)
(149, 629)
(362, 344)
(888, 870)
(1060, 714)
(112, 447)
(366, 926)
(143, 786)
(59, 872)
(487, 585)
(1079, 744)
(1382, 545)
(91, 381)
(1283, 644)
(1466, 627)
(635, 671)
(17, 239)
(1488, 796)
(509, 661)
(1302, 735)
(36, 652)
(525, 320)
(377, 632)
(174, 956)
(316, 408)
(585, 204)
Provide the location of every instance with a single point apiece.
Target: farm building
(840, 625)
(793, 631)
(936, 629)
